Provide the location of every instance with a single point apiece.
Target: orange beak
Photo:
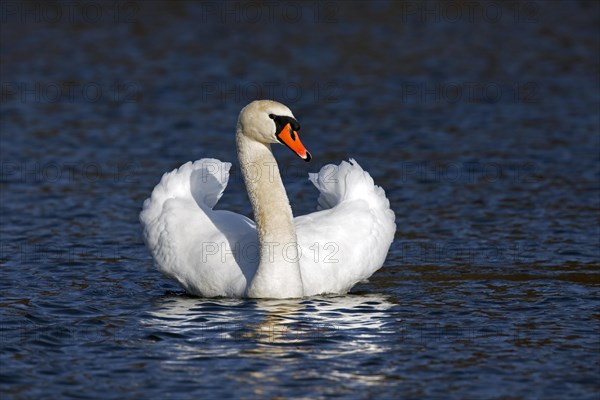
(290, 138)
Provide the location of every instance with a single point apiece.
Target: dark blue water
(480, 120)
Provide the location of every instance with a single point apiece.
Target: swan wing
(347, 240)
(209, 252)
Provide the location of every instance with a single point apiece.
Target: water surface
(483, 130)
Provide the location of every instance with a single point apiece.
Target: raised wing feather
(347, 240)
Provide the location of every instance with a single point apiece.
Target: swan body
(215, 253)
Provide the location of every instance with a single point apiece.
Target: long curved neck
(278, 273)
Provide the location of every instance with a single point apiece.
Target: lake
(479, 119)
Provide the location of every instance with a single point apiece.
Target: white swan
(220, 253)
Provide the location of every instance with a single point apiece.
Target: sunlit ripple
(316, 328)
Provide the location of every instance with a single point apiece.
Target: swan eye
(282, 121)
(295, 124)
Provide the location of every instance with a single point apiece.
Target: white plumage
(218, 253)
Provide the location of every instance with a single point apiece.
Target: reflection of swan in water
(325, 327)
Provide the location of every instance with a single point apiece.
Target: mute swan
(215, 253)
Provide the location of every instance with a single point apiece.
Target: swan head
(267, 121)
